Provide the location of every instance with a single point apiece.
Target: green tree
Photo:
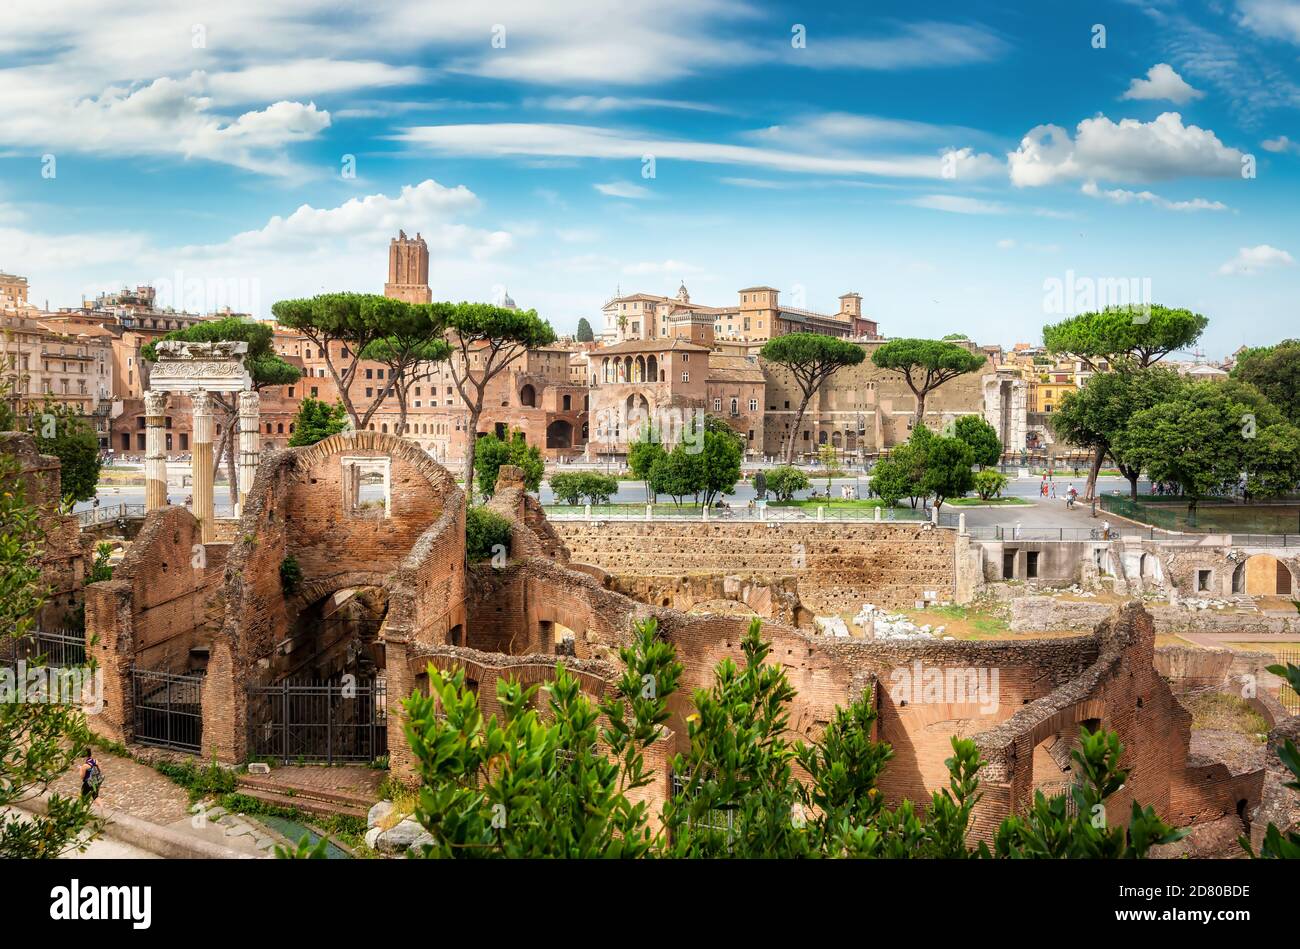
(494, 452)
(485, 531)
(948, 464)
(721, 454)
(1274, 371)
(1134, 336)
(61, 432)
(982, 438)
(926, 364)
(677, 473)
(39, 741)
(571, 487)
(811, 359)
(890, 481)
(524, 785)
(1208, 436)
(642, 454)
(411, 346)
(1122, 337)
(266, 368)
(902, 474)
(1093, 416)
(584, 335)
(557, 785)
(317, 421)
(487, 339)
(989, 484)
(785, 481)
(341, 326)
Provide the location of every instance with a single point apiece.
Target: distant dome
(507, 302)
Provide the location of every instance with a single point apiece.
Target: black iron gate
(339, 720)
(168, 709)
(1285, 694)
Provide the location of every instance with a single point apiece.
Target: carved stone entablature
(213, 367)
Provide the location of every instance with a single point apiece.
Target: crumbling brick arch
(296, 511)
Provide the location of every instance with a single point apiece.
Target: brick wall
(837, 566)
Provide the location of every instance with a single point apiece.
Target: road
(1047, 513)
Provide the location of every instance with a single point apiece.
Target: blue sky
(946, 164)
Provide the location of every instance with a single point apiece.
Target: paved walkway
(133, 788)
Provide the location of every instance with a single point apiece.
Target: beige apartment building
(757, 316)
(42, 361)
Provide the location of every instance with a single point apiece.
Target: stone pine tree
(410, 349)
(1122, 336)
(39, 740)
(265, 367)
(811, 359)
(926, 364)
(341, 326)
(486, 339)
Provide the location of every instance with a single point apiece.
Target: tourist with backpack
(92, 778)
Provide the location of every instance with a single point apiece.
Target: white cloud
(166, 117)
(1275, 19)
(616, 104)
(308, 251)
(914, 46)
(1129, 150)
(504, 139)
(1162, 83)
(956, 204)
(1280, 144)
(1251, 260)
(621, 189)
(1121, 196)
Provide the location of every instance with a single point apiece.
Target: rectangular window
(753, 405)
(717, 405)
(366, 487)
(686, 377)
(1031, 564)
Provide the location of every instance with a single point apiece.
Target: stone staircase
(310, 800)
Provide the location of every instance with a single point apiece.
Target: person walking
(92, 778)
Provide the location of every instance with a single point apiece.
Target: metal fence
(168, 709)
(720, 820)
(108, 512)
(337, 720)
(1285, 694)
(55, 649)
(1266, 518)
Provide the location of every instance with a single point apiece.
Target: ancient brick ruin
(349, 560)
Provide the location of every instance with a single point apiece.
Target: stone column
(250, 441)
(155, 458)
(201, 465)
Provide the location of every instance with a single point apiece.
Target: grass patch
(198, 781)
(962, 622)
(1221, 712)
(978, 502)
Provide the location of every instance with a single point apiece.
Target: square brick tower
(408, 269)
